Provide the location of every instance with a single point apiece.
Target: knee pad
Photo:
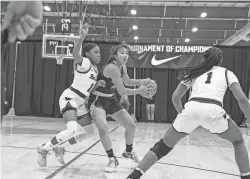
(160, 149)
(80, 136)
(72, 126)
(65, 135)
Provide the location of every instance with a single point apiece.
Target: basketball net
(59, 59)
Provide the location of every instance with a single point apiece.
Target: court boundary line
(178, 165)
(21, 125)
(76, 157)
(162, 163)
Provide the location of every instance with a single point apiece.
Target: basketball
(150, 83)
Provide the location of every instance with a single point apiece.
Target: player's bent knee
(161, 149)
(131, 126)
(72, 127)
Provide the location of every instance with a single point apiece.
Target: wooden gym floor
(199, 156)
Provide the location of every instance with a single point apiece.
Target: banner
(166, 56)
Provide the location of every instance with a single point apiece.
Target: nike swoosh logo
(159, 62)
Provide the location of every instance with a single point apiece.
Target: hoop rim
(58, 56)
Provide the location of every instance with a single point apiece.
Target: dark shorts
(110, 104)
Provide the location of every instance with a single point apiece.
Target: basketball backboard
(58, 45)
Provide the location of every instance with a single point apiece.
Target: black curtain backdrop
(40, 82)
(238, 61)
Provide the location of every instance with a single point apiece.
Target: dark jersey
(110, 87)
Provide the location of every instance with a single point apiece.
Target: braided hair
(213, 56)
(114, 50)
(87, 47)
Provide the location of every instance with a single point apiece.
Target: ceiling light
(195, 29)
(46, 8)
(134, 27)
(133, 11)
(187, 40)
(203, 14)
(136, 38)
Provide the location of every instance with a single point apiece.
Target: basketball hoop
(59, 59)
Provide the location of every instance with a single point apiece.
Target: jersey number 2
(90, 88)
(209, 76)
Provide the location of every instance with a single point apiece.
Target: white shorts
(70, 100)
(210, 116)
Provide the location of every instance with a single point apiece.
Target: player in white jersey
(208, 83)
(72, 101)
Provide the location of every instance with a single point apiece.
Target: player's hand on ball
(145, 90)
(151, 86)
(145, 81)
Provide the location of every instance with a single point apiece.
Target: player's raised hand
(85, 29)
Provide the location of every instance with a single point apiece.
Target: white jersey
(212, 84)
(85, 76)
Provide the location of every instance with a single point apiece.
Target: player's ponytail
(111, 59)
(213, 56)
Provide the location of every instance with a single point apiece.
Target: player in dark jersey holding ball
(103, 102)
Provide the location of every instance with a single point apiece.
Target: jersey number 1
(90, 88)
(209, 76)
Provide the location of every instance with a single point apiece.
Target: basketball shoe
(113, 163)
(131, 155)
(59, 153)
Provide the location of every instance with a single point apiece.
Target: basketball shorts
(69, 100)
(150, 106)
(110, 104)
(209, 116)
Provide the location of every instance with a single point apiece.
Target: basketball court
(198, 156)
(201, 155)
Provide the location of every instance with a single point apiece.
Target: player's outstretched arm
(111, 71)
(241, 98)
(77, 49)
(179, 92)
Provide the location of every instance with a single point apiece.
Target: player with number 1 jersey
(72, 102)
(208, 82)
